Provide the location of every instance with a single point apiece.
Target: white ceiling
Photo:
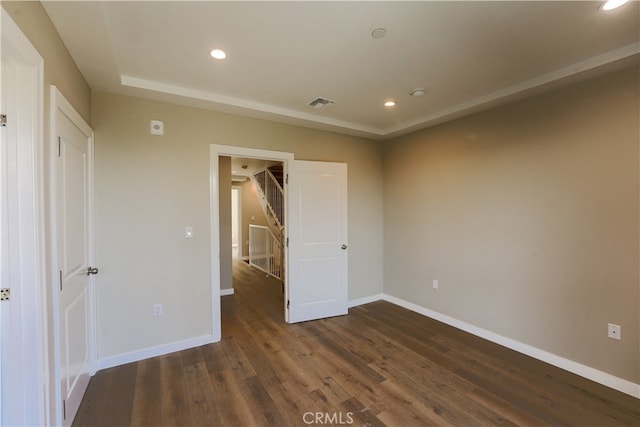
(282, 55)
(246, 167)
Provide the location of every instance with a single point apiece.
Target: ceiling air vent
(320, 103)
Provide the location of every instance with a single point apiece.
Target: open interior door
(74, 226)
(318, 273)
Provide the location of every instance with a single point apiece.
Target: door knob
(91, 270)
(343, 247)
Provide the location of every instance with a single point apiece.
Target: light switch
(188, 232)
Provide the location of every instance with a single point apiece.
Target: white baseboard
(224, 292)
(588, 372)
(365, 300)
(135, 356)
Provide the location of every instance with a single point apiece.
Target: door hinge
(286, 181)
(287, 244)
(5, 294)
(64, 409)
(288, 304)
(60, 279)
(59, 149)
(3, 120)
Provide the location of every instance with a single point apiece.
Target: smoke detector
(320, 103)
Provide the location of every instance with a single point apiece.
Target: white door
(318, 285)
(73, 231)
(4, 262)
(10, 366)
(22, 369)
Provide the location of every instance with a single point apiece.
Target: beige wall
(528, 216)
(148, 188)
(60, 70)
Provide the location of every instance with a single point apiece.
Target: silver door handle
(343, 247)
(91, 270)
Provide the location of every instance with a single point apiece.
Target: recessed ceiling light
(218, 54)
(390, 103)
(417, 92)
(613, 4)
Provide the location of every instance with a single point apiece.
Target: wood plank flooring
(380, 365)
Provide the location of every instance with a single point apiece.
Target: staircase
(278, 173)
(270, 183)
(266, 251)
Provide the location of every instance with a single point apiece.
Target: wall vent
(320, 103)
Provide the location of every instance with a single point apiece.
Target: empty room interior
(320, 213)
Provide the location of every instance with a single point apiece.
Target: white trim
(509, 93)
(67, 109)
(588, 372)
(29, 397)
(216, 151)
(214, 214)
(225, 292)
(365, 300)
(147, 353)
(258, 110)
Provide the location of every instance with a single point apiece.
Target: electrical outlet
(157, 310)
(435, 284)
(614, 331)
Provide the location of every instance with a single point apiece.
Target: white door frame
(215, 152)
(27, 241)
(59, 103)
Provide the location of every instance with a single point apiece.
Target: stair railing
(265, 251)
(273, 194)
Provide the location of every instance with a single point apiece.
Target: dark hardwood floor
(380, 365)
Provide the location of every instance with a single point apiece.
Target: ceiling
(282, 55)
(245, 167)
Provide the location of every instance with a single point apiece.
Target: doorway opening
(257, 225)
(315, 264)
(250, 170)
(259, 188)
